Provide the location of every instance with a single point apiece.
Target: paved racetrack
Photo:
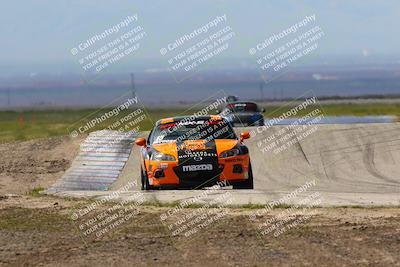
(351, 164)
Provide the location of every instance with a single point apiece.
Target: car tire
(248, 184)
(145, 180)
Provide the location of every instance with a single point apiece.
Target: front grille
(197, 178)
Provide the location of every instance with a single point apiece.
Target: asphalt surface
(351, 164)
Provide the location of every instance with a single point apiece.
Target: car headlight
(158, 156)
(230, 153)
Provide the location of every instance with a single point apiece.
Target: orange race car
(194, 152)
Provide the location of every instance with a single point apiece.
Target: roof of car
(189, 118)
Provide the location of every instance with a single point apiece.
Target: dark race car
(243, 114)
(183, 152)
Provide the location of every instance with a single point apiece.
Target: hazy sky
(46, 30)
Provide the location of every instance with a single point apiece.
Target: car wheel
(145, 180)
(248, 184)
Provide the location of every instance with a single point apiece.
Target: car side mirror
(244, 135)
(140, 142)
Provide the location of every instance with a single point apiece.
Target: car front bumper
(162, 173)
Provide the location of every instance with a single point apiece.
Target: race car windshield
(193, 130)
(242, 107)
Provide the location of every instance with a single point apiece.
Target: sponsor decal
(194, 154)
(197, 158)
(164, 166)
(184, 123)
(200, 167)
(234, 160)
(192, 145)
